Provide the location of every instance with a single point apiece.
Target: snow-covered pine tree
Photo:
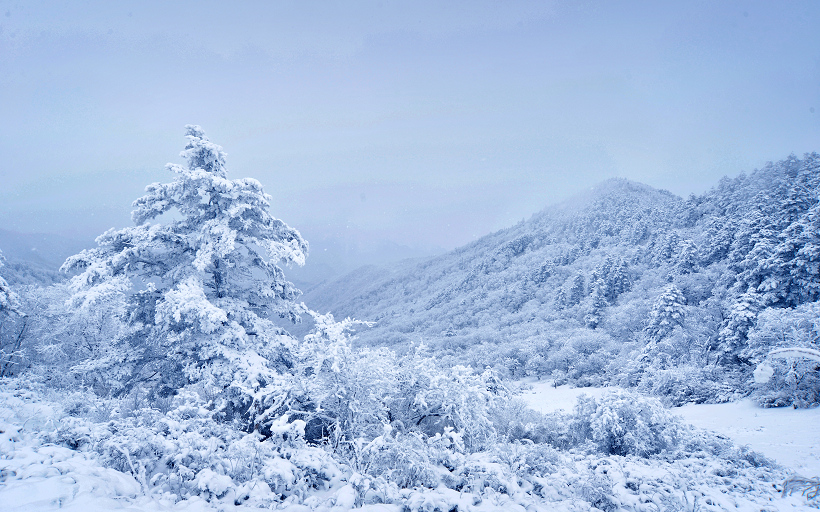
(667, 313)
(577, 289)
(597, 304)
(601, 273)
(719, 234)
(612, 276)
(686, 261)
(797, 259)
(619, 280)
(201, 288)
(735, 328)
(542, 273)
(800, 188)
(754, 244)
(667, 247)
(561, 301)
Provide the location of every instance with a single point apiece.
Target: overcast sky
(422, 123)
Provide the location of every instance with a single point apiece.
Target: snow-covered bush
(411, 459)
(187, 457)
(529, 459)
(688, 383)
(808, 487)
(186, 452)
(350, 395)
(624, 423)
(515, 421)
(581, 358)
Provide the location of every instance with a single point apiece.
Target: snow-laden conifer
(667, 313)
(201, 288)
(735, 328)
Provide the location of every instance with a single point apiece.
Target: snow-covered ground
(542, 396)
(38, 476)
(789, 436)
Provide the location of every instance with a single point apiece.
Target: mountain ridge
(621, 285)
(490, 253)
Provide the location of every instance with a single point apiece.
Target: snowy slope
(625, 285)
(503, 285)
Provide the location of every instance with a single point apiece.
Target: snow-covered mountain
(608, 284)
(34, 258)
(510, 278)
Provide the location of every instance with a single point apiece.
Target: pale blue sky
(421, 123)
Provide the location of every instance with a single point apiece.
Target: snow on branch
(796, 353)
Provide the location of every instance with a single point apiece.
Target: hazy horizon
(423, 126)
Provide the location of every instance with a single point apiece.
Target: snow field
(544, 397)
(789, 436)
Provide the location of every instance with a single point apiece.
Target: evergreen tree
(597, 304)
(201, 288)
(686, 261)
(800, 189)
(720, 233)
(667, 313)
(667, 247)
(619, 280)
(543, 272)
(561, 300)
(797, 259)
(614, 279)
(577, 289)
(735, 329)
(602, 272)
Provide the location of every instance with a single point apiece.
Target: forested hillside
(626, 285)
